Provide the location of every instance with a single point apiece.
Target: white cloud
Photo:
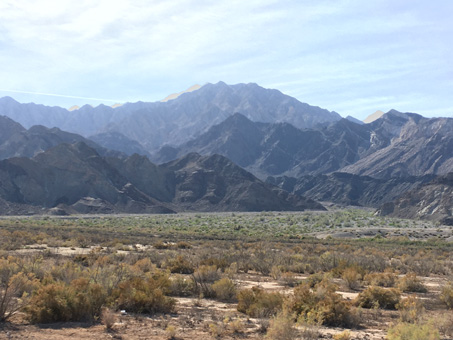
(323, 52)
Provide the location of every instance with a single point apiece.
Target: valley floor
(345, 250)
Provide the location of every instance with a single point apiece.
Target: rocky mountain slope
(75, 178)
(279, 148)
(420, 146)
(175, 121)
(395, 145)
(348, 189)
(16, 141)
(205, 183)
(432, 200)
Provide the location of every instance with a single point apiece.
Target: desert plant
(145, 296)
(351, 276)
(179, 265)
(289, 279)
(79, 301)
(15, 288)
(411, 284)
(256, 302)
(321, 306)
(204, 277)
(281, 327)
(181, 286)
(225, 290)
(446, 295)
(386, 279)
(108, 318)
(406, 331)
(411, 309)
(170, 332)
(377, 297)
(345, 335)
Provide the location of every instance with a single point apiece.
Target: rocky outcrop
(431, 201)
(214, 183)
(348, 189)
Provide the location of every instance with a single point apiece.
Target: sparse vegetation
(269, 269)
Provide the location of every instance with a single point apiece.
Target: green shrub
(225, 290)
(411, 284)
(256, 302)
(78, 301)
(409, 331)
(377, 297)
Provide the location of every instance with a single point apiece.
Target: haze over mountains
(205, 136)
(173, 121)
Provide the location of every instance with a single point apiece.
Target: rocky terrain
(431, 201)
(210, 142)
(75, 178)
(348, 189)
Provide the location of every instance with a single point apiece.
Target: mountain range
(174, 121)
(72, 178)
(221, 147)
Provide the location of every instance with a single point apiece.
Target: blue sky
(349, 56)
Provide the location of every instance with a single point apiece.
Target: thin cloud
(60, 95)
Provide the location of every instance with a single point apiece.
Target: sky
(349, 56)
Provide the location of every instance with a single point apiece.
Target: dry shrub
(144, 265)
(236, 326)
(406, 331)
(276, 272)
(377, 297)
(220, 263)
(411, 284)
(281, 327)
(179, 265)
(345, 335)
(145, 295)
(204, 277)
(445, 325)
(170, 332)
(314, 279)
(289, 279)
(225, 290)
(351, 276)
(411, 309)
(321, 306)
(181, 286)
(183, 245)
(79, 301)
(108, 318)
(446, 295)
(386, 279)
(257, 303)
(216, 330)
